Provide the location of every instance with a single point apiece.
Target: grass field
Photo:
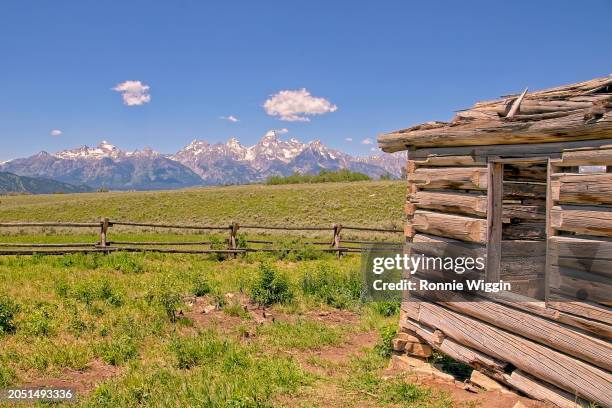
(367, 203)
(182, 330)
(261, 330)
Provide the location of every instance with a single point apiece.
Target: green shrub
(39, 321)
(218, 244)
(385, 347)
(200, 286)
(387, 308)
(7, 375)
(270, 286)
(8, 310)
(117, 351)
(190, 352)
(331, 287)
(163, 295)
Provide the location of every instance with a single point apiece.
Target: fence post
(103, 231)
(232, 238)
(336, 239)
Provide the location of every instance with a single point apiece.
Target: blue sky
(383, 65)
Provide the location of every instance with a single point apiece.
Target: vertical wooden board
(494, 220)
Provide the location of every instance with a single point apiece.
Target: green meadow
(176, 330)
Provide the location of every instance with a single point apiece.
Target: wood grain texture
(563, 371)
(460, 178)
(584, 220)
(452, 226)
(582, 188)
(453, 202)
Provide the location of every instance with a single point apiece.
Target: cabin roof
(580, 111)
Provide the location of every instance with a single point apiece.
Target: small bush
(270, 286)
(39, 321)
(235, 309)
(200, 286)
(331, 287)
(162, 294)
(190, 352)
(7, 375)
(118, 351)
(8, 310)
(387, 308)
(385, 347)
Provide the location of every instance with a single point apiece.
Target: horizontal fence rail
(226, 246)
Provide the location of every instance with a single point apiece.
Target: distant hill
(12, 183)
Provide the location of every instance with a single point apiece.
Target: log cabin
(526, 180)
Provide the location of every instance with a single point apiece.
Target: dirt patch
(82, 381)
(462, 397)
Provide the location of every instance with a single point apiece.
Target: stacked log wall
(558, 351)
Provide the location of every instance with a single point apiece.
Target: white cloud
(276, 132)
(56, 132)
(373, 149)
(295, 106)
(348, 139)
(230, 118)
(134, 93)
(367, 141)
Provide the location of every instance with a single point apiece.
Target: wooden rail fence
(106, 245)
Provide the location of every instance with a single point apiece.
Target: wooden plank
(601, 157)
(524, 212)
(514, 189)
(450, 161)
(548, 333)
(588, 255)
(580, 285)
(453, 349)
(527, 249)
(539, 308)
(525, 171)
(543, 391)
(497, 131)
(460, 178)
(592, 311)
(494, 220)
(452, 226)
(584, 220)
(521, 266)
(454, 202)
(442, 246)
(510, 150)
(582, 188)
(524, 231)
(554, 367)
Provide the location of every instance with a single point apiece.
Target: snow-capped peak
(107, 146)
(234, 144)
(104, 149)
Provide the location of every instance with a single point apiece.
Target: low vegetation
(136, 325)
(324, 176)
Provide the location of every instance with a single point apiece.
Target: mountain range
(198, 163)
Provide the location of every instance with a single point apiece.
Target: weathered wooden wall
(558, 351)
